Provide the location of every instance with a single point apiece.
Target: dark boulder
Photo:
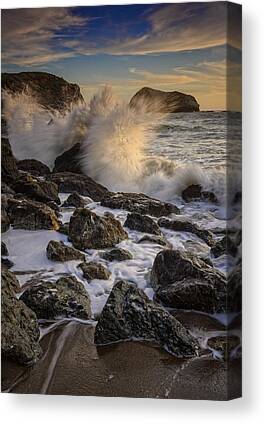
(161, 240)
(90, 231)
(117, 254)
(157, 101)
(130, 315)
(139, 203)
(69, 182)
(75, 200)
(5, 262)
(19, 327)
(9, 170)
(30, 215)
(66, 297)
(33, 167)
(225, 245)
(194, 192)
(41, 191)
(143, 223)
(69, 161)
(181, 224)
(94, 270)
(58, 251)
(50, 91)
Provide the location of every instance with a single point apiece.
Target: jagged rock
(94, 270)
(5, 221)
(58, 251)
(69, 161)
(9, 171)
(4, 250)
(157, 101)
(33, 167)
(41, 191)
(192, 294)
(181, 224)
(30, 215)
(65, 298)
(194, 192)
(19, 329)
(69, 182)
(117, 254)
(139, 203)
(224, 345)
(225, 245)
(161, 240)
(75, 200)
(50, 91)
(130, 315)
(143, 223)
(90, 231)
(171, 266)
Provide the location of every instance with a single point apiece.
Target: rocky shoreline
(181, 281)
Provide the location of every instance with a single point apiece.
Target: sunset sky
(181, 47)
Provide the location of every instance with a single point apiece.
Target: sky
(187, 47)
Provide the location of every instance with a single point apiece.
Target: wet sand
(72, 365)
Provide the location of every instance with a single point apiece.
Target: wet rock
(171, 266)
(224, 345)
(65, 298)
(5, 262)
(94, 270)
(33, 167)
(234, 281)
(130, 314)
(9, 171)
(69, 161)
(30, 215)
(75, 200)
(90, 231)
(4, 250)
(181, 224)
(6, 189)
(41, 191)
(63, 228)
(69, 182)
(192, 294)
(143, 223)
(194, 192)
(5, 221)
(162, 101)
(19, 329)
(117, 254)
(58, 251)
(139, 203)
(161, 240)
(225, 245)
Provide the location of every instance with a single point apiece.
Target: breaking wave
(114, 141)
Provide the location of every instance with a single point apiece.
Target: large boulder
(90, 231)
(93, 270)
(143, 223)
(182, 224)
(139, 203)
(30, 215)
(50, 91)
(117, 254)
(65, 298)
(69, 161)
(68, 182)
(185, 281)
(9, 170)
(33, 167)
(130, 315)
(151, 100)
(19, 329)
(74, 200)
(195, 192)
(58, 251)
(39, 190)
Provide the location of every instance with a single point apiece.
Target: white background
(22, 409)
